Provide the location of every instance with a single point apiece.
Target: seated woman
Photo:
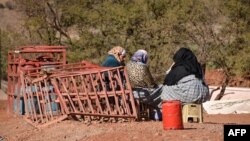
(115, 58)
(144, 87)
(185, 81)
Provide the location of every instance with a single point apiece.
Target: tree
(233, 52)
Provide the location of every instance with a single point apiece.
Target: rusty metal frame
(84, 89)
(87, 93)
(15, 64)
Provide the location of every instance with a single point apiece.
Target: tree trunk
(223, 88)
(203, 67)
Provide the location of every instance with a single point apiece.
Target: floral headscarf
(117, 51)
(140, 56)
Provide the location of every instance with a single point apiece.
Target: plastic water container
(172, 115)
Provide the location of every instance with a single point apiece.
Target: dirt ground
(16, 129)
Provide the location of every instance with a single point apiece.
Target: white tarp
(235, 106)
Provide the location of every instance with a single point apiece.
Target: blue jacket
(111, 61)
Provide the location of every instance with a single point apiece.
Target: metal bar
(114, 92)
(29, 102)
(104, 115)
(43, 101)
(38, 51)
(39, 103)
(64, 57)
(131, 96)
(46, 87)
(63, 104)
(87, 95)
(24, 93)
(77, 94)
(105, 91)
(97, 97)
(10, 100)
(68, 95)
(43, 47)
(123, 94)
(47, 123)
(54, 121)
(0, 58)
(18, 98)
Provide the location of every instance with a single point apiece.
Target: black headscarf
(185, 64)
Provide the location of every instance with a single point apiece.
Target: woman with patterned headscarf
(115, 58)
(184, 81)
(138, 71)
(143, 85)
